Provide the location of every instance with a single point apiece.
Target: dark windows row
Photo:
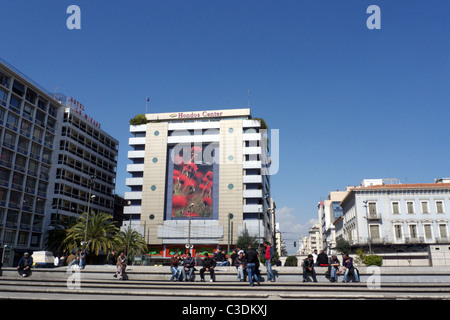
(97, 148)
(86, 155)
(97, 135)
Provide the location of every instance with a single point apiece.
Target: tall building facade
(198, 179)
(49, 152)
(28, 127)
(328, 211)
(84, 163)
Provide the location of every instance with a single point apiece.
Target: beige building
(199, 179)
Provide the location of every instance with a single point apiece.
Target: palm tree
(101, 233)
(131, 241)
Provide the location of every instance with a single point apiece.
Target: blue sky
(350, 103)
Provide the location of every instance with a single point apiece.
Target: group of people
(246, 263)
(333, 264)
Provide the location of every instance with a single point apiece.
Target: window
(15, 103)
(33, 167)
(40, 117)
(23, 145)
(398, 231)
(28, 110)
(4, 175)
(410, 207)
(428, 231)
(6, 157)
(443, 231)
(30, 96)
(21, 163)
(375, 232)
(413, 231)
(38, 133)
(439, 206)
(25, 128)
(18, 88)
(13, 121)
(4, 80)
(395, 208)
(10, 139)
(424, 205)
(3, 95)
(372, 209)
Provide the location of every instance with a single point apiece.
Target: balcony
(374, 217)
(132, 210)
(252, 179)
(133, 195)
(252, 193)
(134, 181)
(251, 165)
(136, 154)
(135, 167)
(136, 141)
(252, 208)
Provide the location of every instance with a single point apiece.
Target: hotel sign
(79, 108)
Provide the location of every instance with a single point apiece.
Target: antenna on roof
(248, 100)
(146, 104)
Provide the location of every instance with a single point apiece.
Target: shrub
(139, 119)
(291, 261)
(373, 260)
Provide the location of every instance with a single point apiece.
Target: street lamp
(369, 238)
(91, 184)
(230, 216)
(188, 245)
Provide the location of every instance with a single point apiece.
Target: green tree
(245, 239)
(56, 235)
(101, 233)
(291, 261)
(138, 119)
(131, 242)
(343, 246)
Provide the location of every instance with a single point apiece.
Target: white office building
(199, 178)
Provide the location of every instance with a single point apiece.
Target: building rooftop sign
(192, 115)
(78, 107)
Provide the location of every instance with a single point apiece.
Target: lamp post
(230, 216)
(369, 239)
(91, 184)
(188, 245)
(259, 227)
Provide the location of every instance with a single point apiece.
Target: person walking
(208, 265)
(269, 255)
(24, 265)
(252, 259)
(308, 267)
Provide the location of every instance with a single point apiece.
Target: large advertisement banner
(192, 186)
